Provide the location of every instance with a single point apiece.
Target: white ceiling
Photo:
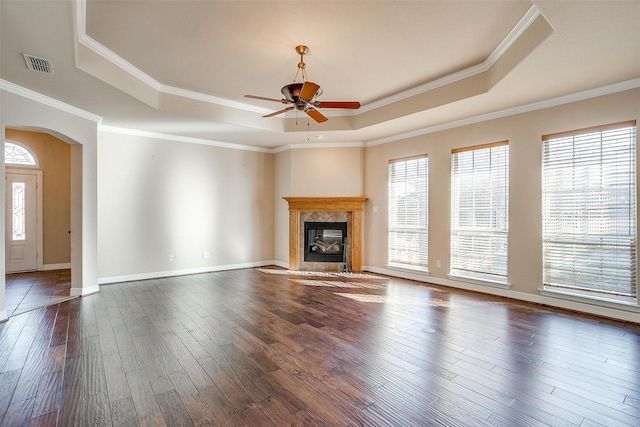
(183, 67)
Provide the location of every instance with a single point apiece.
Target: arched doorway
(24, 109)
(36, 275)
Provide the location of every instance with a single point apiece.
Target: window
(408, 213)
(15, 154)
(18, 211)
(480, 212)
(589, 210)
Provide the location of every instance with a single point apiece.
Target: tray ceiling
(183, 67)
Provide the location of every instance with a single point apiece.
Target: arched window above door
(16, 154)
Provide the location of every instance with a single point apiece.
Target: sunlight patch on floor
(321, 274)
(399, 300)
(337, 284)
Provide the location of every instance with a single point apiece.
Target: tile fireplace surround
(331, 209)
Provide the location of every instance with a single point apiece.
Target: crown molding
(46, 100)
(117, 60)
(525, 22)
(318, 145)
(554, 102)
(198, 96)
(580, 96)
(54, 103)
(178, 138)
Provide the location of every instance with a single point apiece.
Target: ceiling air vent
(38, 64)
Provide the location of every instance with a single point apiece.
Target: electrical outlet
(205, 254)
(170, 257)
(438, 263)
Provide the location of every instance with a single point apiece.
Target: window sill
(406, 269)
(491, 283)
(589, 298)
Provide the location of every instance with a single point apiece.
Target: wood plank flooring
(263, 347)
(35, 289)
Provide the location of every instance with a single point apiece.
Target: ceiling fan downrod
(302, 50)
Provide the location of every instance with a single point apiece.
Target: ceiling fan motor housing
(292, 91)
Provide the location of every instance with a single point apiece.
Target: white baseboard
(3, 316)
(280, 264)
(62, 266)
(83, 292)
(183, 272)
(622, 312)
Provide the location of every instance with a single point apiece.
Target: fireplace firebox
(324, 241)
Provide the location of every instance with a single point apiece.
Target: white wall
(327, 172)
(313, 172)
(282, 188)
(158, 198)
(524, 132)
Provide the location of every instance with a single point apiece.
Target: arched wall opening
(29, 155)
(79, 129)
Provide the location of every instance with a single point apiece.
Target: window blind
(480, 212)
(408, 181)
(589, 210)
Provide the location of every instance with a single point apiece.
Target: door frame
(39, 230)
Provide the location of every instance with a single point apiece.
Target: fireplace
(332, 210)
(324, 241)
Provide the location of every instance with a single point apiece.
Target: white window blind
(589, 210)
(480, 212)
(408, 213)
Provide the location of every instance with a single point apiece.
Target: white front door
(21, 240)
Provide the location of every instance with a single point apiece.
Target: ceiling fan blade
(279, 112)
(338, 104)
(308, 91)
(316, 115)
(284, 101)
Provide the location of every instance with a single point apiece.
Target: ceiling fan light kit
(304, 95)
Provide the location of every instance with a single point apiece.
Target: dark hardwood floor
(261, 347)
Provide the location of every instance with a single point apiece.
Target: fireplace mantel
(354, 205)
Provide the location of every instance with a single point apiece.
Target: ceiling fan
(304, 95)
